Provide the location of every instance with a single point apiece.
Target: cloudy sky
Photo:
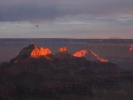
(66, 19)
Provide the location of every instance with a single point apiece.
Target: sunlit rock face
(80, 53)
(32, 51)
(62, 50)
(131, 47)
(37, 52)
(62, 53)
(39, 78)
(97, 57)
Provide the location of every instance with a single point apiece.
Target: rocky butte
(62, 50)
(32, 51)
(37, 74)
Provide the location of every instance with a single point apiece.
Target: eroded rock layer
(36, 74)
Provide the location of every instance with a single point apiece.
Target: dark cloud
(35, 10)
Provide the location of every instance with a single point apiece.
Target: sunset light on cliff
(131, 47)
(40, 52)
(80, 53)
(62, 50)
(100, 59)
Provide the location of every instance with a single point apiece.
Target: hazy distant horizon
(65, 38)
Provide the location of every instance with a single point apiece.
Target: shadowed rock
(36, 75)
(32, 51)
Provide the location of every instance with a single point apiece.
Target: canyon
(38, 74)
(118, 51)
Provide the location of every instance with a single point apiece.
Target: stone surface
(80, 53)
(32, 51)
(63, 77)
(62, 50)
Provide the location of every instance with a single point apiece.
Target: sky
(84, 19)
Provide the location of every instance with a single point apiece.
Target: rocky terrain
(118, 51)
(37, 74)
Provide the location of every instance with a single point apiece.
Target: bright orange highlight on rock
(100, 59)
(80, 53)
(40, 52)
(62, 50)
(131, 48)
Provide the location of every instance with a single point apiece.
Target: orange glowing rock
(100, 59)
(62, 50)
(131, 48)
(80, 53)
(33, 51)
(40, 52)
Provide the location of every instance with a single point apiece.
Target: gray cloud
(39, 10)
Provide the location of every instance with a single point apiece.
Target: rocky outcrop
(37, 74)
(131, 47)
(62, 53)
(32, 51)
(80, 53)
(62, 50)
(115, 50)
(97, 57)
(39, 59)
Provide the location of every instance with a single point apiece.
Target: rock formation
(36, 74)
(62, 53)
(62, 50)
(80, 53)
(98, 58)
(32, 51)
(131, 47)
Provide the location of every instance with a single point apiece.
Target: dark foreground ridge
(37, 74)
